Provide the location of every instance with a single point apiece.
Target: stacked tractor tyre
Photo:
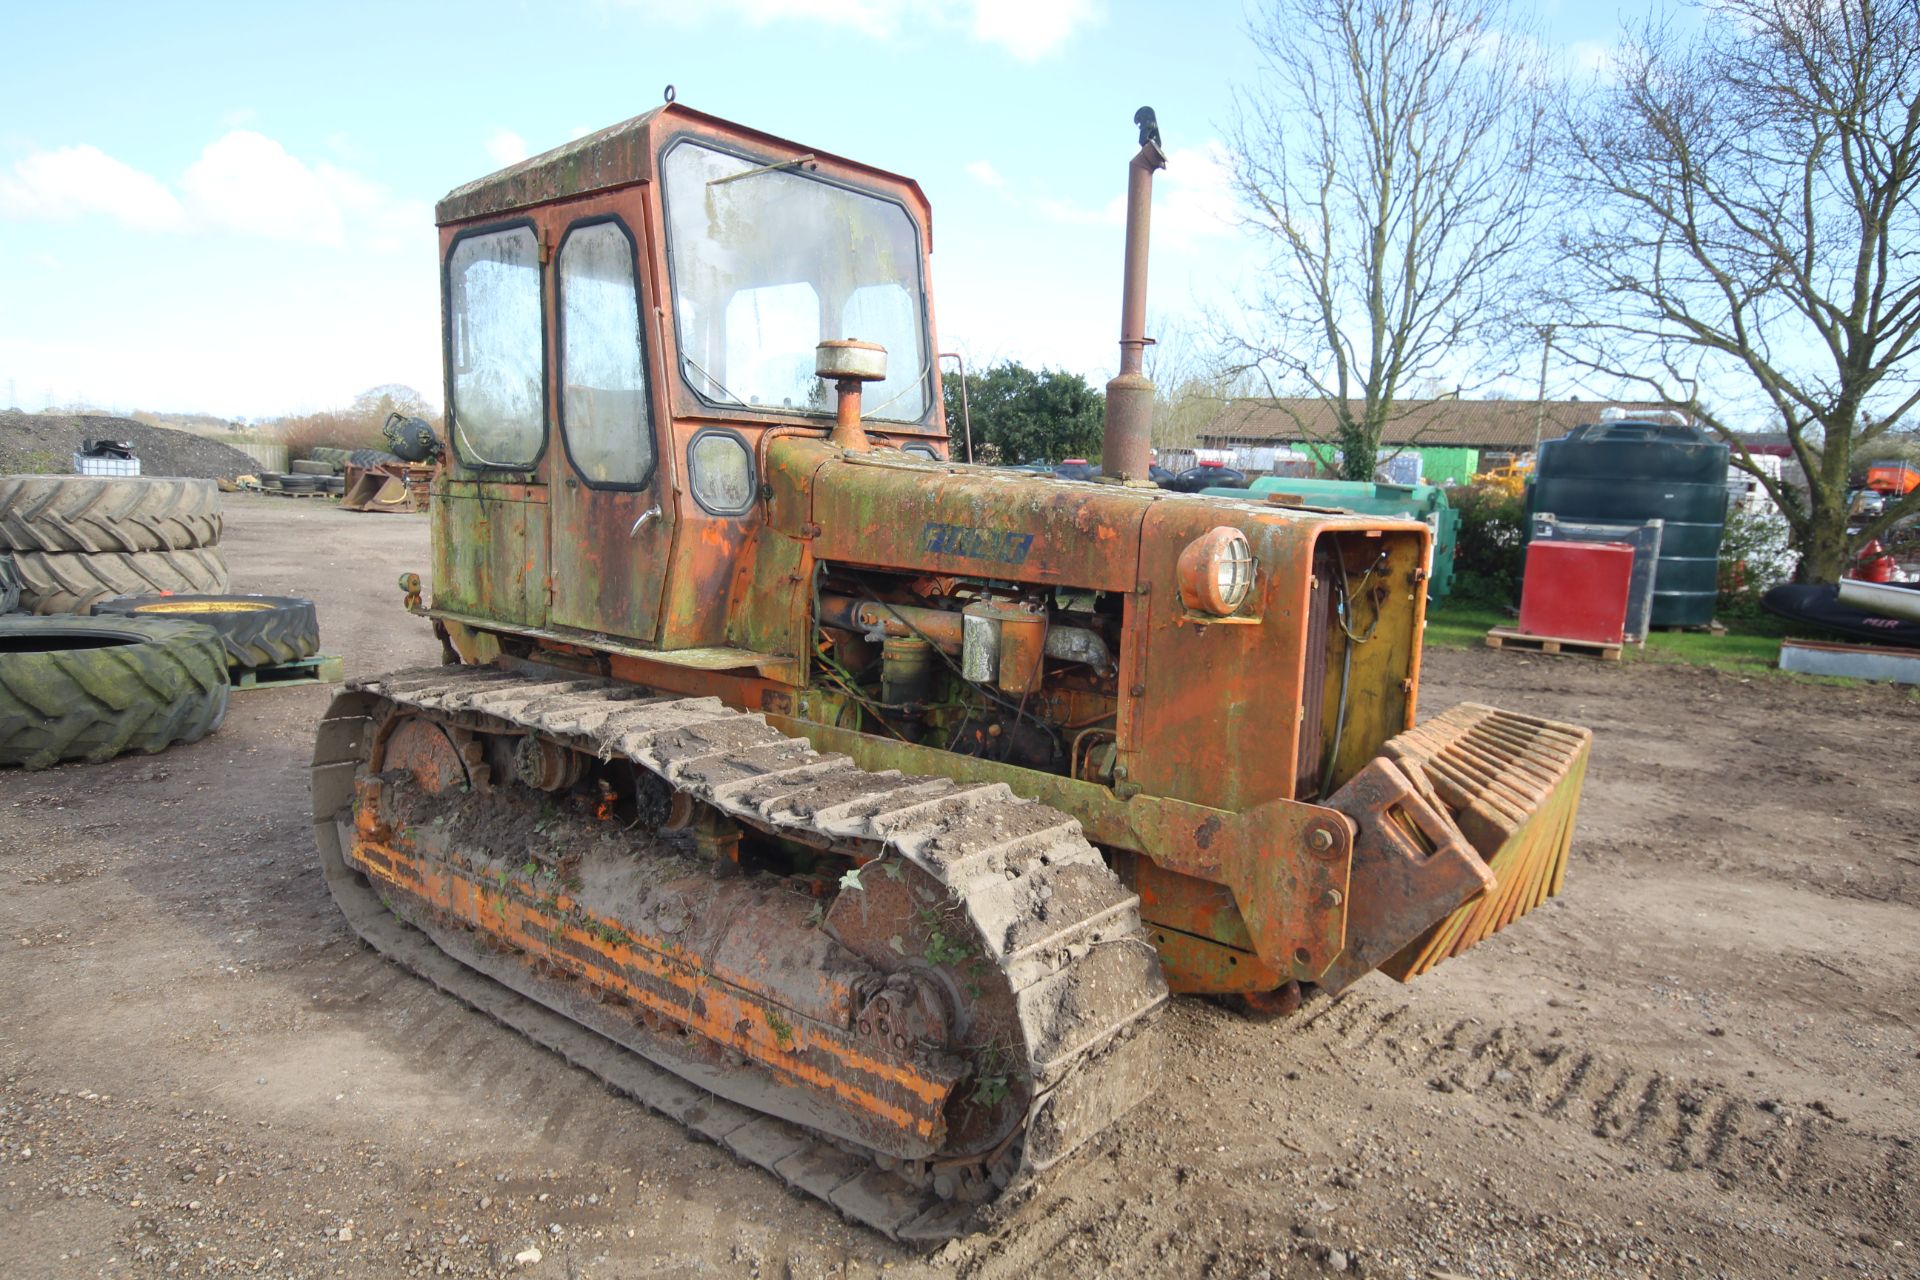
(85, 688)
(77, 540)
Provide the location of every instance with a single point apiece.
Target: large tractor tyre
(92, 688)
(258, 631)
(107, 513)
(370, 458)
(61, 583)
(311, 467)
(9, 585)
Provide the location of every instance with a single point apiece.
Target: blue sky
(228, 208)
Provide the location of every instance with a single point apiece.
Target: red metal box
(1576, 591)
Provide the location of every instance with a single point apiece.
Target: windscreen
(768, 263)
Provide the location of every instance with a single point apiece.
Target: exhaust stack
(1127, 452)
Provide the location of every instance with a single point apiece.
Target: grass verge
(1751, 644)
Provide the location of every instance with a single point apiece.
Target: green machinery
(1426, 502)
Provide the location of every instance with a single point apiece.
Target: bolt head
(1320, 840)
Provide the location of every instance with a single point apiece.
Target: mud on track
(1701, 1061)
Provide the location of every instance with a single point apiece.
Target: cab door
(611, 532)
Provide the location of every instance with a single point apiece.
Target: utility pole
(1540, 395)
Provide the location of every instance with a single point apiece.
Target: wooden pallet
(1507, 638)
(324, 669)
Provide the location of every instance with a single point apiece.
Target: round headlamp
(1216, 572)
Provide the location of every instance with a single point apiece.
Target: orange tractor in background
(852, 804)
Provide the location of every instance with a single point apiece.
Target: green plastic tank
(1630, 471)
(1426, 502)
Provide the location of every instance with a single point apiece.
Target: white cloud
(243, 181)
(1192, 200)
(507, 147)
(247, 182)
(983, 172)
(382, 222)
(1030, 29)
(1196, 198)
(1590, 57)
(1111, 214)
(74, 181)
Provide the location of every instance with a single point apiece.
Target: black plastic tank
(1632, 471)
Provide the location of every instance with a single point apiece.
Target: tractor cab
(626, 318)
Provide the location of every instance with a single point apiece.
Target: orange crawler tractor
(853, 805)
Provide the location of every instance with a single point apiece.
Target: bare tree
(1745, 212)
(1388, 153)
(1190, 389)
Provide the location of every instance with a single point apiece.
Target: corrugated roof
(1476, 424)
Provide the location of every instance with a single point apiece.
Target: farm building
(1453, 438)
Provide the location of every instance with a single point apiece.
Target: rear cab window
(496, 348)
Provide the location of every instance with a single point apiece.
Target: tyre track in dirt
(1681, 1123)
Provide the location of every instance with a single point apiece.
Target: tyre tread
(287, 632)
(92, 704)
(70, 582)
(108, 513)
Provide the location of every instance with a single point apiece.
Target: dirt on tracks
(1700, 1062)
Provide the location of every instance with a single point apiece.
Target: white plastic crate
(85, 466)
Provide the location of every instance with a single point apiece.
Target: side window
(603, 367)
(495, 348)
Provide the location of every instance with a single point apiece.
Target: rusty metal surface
(1411, 866)
(1127, 447)
(428, 752)
(976, 521)
(1217, 865)
(490, 550)
(396, 487)
(1213, 709)
(620, 155)
(1207, 725)
(1038, 899)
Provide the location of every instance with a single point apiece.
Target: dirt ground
(1700, 1062)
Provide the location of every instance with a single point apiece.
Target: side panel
(711, 553)
(490, 550)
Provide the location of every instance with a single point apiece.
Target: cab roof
(616, 156)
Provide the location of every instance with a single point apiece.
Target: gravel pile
(46, 442)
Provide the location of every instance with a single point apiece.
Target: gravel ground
(46, 443)
(1699, 1062)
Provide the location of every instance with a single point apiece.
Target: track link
(1049, 914)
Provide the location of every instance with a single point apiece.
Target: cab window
(496, 348)
(603, 368)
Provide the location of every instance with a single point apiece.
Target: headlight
(1216, 572)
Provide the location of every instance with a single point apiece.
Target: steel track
(1085, 987)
